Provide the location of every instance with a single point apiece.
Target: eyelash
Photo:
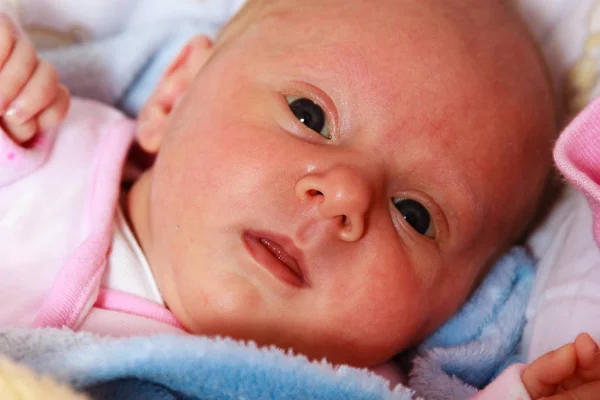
(318, 97)
(401, 223)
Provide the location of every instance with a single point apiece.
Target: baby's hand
(31, 96)
(570, 372)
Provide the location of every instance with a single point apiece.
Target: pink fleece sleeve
(507, 386)
(577, 156)
(18, 161)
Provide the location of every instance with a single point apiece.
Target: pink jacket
(577, 155)
(57, 204)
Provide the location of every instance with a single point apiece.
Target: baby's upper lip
(286, 251)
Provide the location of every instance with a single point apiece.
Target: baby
(332, 178)
(385, 184)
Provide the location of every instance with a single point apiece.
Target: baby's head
(337, 177)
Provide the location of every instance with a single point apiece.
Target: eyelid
(304, 89)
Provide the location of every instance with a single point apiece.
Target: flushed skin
(424, 102)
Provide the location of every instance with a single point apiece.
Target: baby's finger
(584, 375)
(16, 71)
(588, 362)
(586, 349)
(56, 111)
(7, 38)
(589, 391)
(21, 133)
(542, 377)
(38, 93)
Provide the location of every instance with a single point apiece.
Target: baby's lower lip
(265, 258)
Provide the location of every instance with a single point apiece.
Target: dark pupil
(309, 113)
(415, 214)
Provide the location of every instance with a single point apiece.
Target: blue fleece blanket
(173, 367)
(463, 355)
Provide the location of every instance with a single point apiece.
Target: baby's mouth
(275, 257)
(282, 256)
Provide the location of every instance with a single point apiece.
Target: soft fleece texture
(481, 340)
(173, 367)
(577, 155)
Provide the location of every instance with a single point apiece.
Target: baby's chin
(385, 368)
(333, 349)
(391, 372)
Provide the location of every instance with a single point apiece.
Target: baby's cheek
(388, 320)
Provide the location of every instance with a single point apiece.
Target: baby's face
(335, 187)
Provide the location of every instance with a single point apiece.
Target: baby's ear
(171, 87)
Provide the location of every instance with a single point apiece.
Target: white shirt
(128, 270)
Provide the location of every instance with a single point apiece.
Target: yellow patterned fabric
(19, 383)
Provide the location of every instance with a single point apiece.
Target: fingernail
(15, 113)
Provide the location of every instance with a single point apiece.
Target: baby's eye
(310, 114)
(415, 214)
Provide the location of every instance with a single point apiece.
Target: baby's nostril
(313, 192)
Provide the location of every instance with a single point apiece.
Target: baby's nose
(341, 193)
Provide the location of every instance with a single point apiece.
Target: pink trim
(115, 300)
(577, 156)
(81, 275)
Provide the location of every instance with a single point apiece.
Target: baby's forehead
(321, 12)
(391, 27)
(315, 12)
